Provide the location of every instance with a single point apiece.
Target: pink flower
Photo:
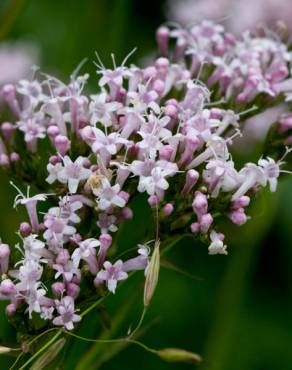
(66, 311)
(111, 274)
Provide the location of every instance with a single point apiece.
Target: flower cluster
(165, 130)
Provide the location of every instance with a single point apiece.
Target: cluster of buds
(158, 130)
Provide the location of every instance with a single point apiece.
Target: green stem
(142, 345)
(41, 350)
(95, 304)
(139, 323)
(90, 308)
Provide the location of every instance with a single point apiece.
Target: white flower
(73, 173)
(217, 246)
(108, 195)
(101, 110)
(66, 310)
(86, 247)
(111, 274)
(53, 170)
(272, 171)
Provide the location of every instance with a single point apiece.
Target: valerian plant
(164, 130)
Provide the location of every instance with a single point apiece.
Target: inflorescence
(165, 130)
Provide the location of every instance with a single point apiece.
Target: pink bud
(200, 203)
(14, 157)
(105, 240)
(172, 101)
(124, 195)
(8, 92)
(7, 129)
(153, 201)
(127, 213)
(149, 72)
(10, 309)
(241, 202)
(73, 290)
(166, 152)
(63, 257)
(94, 168)
(25, 229)
(192, 177)
(171, 111)
(53, 131)
(162, 37)
(162, 64)
(54, 159)
(168, 209)
(62, 144)
(195, 227)
(58, 289)
(7, 287)
(238, 217)
(216, 113)
(86, 163)
(4, 160)
(4, 258)
(158, 86)
(205, 222)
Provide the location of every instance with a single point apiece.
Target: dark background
(234, 310)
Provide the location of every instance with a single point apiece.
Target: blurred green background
(236, 310)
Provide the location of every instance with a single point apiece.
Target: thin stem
(29, 344)
(142, 345)
(95, 304)
(41, 350)
(139, 323)
(89, 309)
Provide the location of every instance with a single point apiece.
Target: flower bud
(168, 209)
(7, 129)
(238, 217)
(178, 355)
(63, 257)
(124, 195)
(73, 290)
(8, 92)
(4, 257)
(152, 274)
(205, 222)
(200, 203)
(62, 144)
(171, 111)
(241, 202)
(152, 201)
(4, 160)
(14, 157)
(162, 37)
(58, 289)
(166, 152)
(4, 350)
(25, 229)
(53, 131)
(158, 86)
(10, 309)
(195, 227)
(192, 177)
(54, 159)
(7, 287)
(127, 213)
